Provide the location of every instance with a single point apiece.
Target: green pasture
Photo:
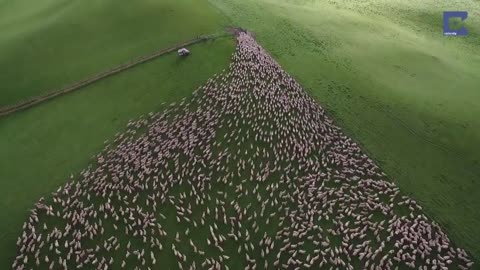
(48, 44)
(392, 81)
(382, 69)
(40, 147)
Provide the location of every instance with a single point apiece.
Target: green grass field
(382, 69)
(48, 44)
(42, 146)
(392, 81)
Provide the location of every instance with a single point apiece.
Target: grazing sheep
(249, 161)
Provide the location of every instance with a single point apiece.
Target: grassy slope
(48, 44)
(42, 146)
(392, 81)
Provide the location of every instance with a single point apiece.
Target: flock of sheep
(248, 173)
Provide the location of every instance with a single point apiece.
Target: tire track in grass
(102, 75)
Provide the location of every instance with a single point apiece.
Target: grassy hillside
(382, 69)
(67, 40)
(48, 44)
(390, 78)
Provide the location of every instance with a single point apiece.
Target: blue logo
(453, 23)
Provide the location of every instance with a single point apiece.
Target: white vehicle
(183, 52)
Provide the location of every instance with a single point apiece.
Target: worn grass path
(32, 101)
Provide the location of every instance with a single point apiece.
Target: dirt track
(99, 76)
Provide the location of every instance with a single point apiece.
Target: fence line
(102, 75)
